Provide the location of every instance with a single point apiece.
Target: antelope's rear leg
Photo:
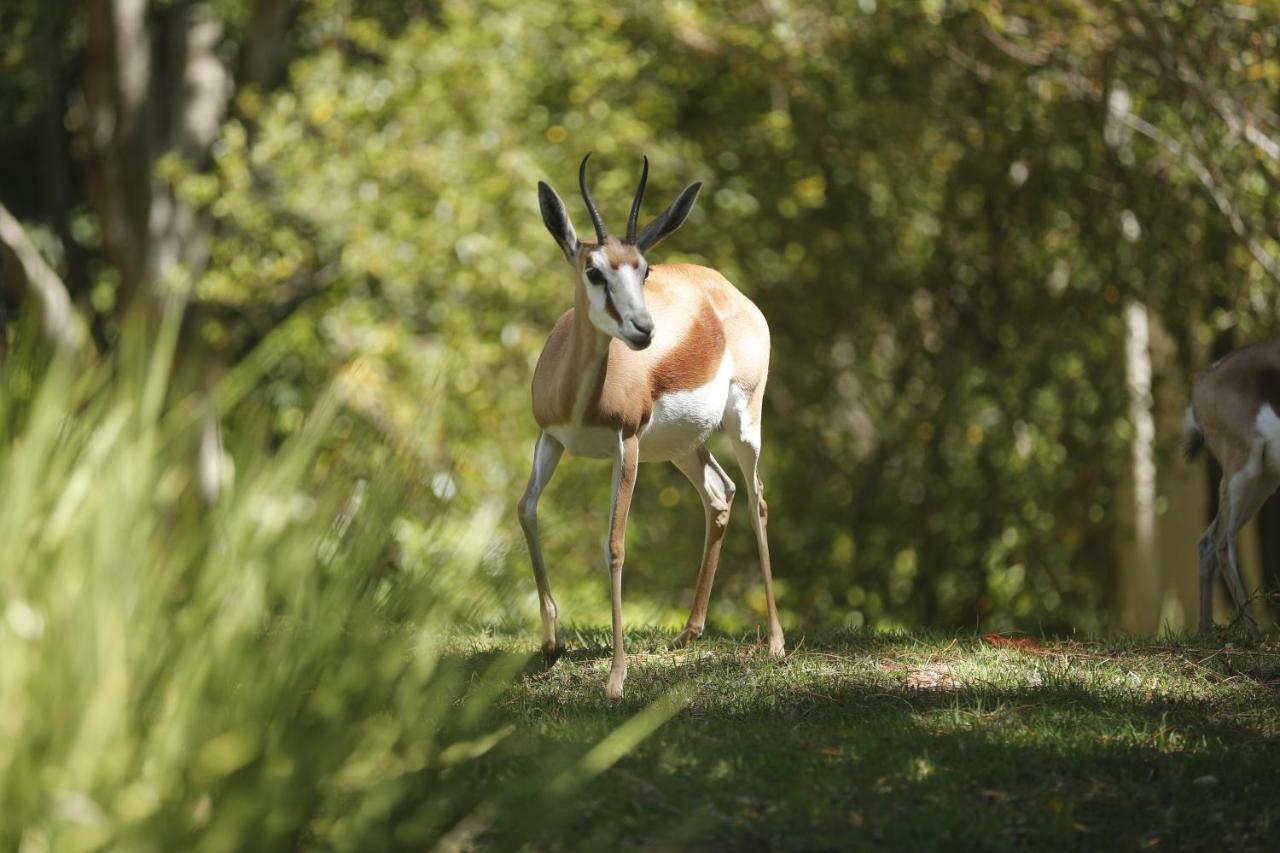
(1208, 575)
(1224, 546)
(1246, 492)
(716, 490)
(743, 427)
(546, 455)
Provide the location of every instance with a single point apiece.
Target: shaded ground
(899, 742)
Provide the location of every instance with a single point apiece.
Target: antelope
(647, 364)
(1234, 408)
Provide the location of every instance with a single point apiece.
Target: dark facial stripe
(609, 309)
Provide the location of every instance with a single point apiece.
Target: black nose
(641, 333)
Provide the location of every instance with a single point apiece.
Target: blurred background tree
(993, 241)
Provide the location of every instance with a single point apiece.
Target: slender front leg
(546, 455)
(716, 490)
(624, 483)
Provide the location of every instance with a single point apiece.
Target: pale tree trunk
(194, 95)
(1139, 586)
(153, 85)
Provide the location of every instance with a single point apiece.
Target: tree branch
(1117, 106)
(61, 322)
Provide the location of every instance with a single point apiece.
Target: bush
(191, 658)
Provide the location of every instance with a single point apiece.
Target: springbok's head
(611, 272)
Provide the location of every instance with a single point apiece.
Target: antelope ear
(670, 219)
(556, 218)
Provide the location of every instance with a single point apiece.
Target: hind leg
(1248, 489)
(716, 490)
(742, 423)
(1208, 576)
(1224, 546)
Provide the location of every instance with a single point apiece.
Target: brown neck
(588, 352)
(585, 334)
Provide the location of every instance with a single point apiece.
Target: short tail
(1193, 436)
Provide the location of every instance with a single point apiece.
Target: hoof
(777, 649)
(1244, 621)
(687, 636)
(551, 652)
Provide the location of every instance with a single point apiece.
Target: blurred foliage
(942, 208)
(178, 672)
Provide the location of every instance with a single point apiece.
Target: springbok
(645, 366)
(1234, 407)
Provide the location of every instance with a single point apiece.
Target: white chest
(681, 421)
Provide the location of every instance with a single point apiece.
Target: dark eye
(646, 273)
(595, 276)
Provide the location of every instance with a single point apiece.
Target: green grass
(908, 742)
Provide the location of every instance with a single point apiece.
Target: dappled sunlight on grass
(902, 740)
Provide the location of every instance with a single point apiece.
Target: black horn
(601, 234)
(635, 205)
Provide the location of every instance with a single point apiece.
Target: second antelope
(1234, 408)
(646, 365)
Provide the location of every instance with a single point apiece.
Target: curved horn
(601, 234)
(635, 205)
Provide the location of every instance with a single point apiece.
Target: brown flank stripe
(695, 361)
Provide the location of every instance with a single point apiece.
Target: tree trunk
(117, 91)
(1139, 585)
(153, 84)
(262, 56)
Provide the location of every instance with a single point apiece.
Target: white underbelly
(684, 420)
(681, 421)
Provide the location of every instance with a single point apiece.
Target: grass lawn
(898, 742)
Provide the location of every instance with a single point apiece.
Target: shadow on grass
(1074, 746)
